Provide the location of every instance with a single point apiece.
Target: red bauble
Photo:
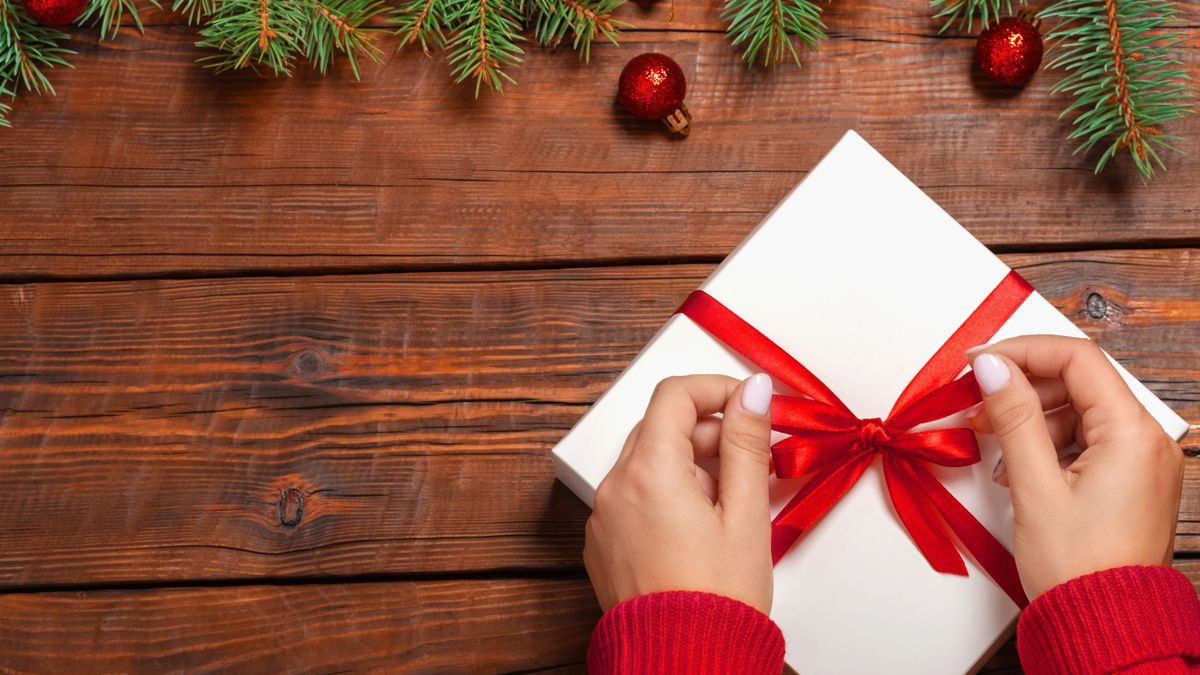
(1009, 51)
(652, 88)
(55, 12)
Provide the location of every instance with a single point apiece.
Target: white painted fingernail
(977, 348)
(974, 410)
(756, 394)
(991, 372)
(999, 467)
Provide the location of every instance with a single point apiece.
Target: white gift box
(861, 277)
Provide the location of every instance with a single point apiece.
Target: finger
(1020, 427)
(630, 441)
(1089, 377)
(708, 484)
(706, 437)
(745, 452)
(1062, 425)
(1052, 394)
(677, 404)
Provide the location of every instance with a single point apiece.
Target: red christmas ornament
(652, 88)
(1010, 50)
(55, 12)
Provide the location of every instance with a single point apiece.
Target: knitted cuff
(685, 632)
(1109, 620)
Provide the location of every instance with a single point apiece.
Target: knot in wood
(291, 507)
(1096, 306)
(308, 363)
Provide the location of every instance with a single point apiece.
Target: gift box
(867, 283)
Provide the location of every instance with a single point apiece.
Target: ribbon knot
(873, 435)
(833, 447)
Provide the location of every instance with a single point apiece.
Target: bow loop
(833, 447)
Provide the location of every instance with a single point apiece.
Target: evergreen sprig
(553, 20)
(27, 51)
(109, 15)
(275, 34)
(1124, 73)
(764, 28)
(965, 13)
(424, 21)
(486, 42)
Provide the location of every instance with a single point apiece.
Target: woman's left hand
(662, 523)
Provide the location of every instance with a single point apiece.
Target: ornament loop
(679, 122)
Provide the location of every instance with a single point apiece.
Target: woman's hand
(1115, 504)
(662, 523)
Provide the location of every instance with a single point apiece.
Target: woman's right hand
(1117, 503)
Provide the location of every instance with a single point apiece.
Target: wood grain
(420, 626)
(192, 174)
(412, 626)
(151, 430)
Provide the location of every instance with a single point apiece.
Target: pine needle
(765, 27)
(486, 42)
(1124, 74)
(108, 15)
(553, 20)
(425, 21)
(27, 50)
(964, 13)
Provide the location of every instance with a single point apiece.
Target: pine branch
(255, 32)
(965, 12)
(196, 10)
(108, 15)
(4, 107)
(425, 21)
(1125, 75)
(765, 28)
(27, 49)
(485, 43)
(553, 19)
(336, 26)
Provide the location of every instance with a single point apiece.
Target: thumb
(1017, 419)
(745, 450)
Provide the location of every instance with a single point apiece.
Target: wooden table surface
(282, 360)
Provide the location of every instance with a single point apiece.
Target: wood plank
(149, 429)
(426, 626)
(192, 174)
(421, 626)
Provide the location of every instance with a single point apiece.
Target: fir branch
(195, 10)
(1125, 75)
(965, 12)
(425, 21)
(336, 26)
(27, 49)
(485, 43)
(4, 107)
(108, 15)
(553, 19)
(765, 28)
(255, 32)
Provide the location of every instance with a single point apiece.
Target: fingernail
(756, 394)
(977, 348)
(974, 410)
(991, 372)
(999, 467)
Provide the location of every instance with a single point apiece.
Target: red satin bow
(832, 445)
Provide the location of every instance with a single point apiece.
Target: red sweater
(1138, 620)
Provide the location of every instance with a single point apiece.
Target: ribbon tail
(991, 555)
(920, 518)
(813, 501)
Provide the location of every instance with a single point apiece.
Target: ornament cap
(679, 122)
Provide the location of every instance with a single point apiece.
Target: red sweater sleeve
(685, 632)
(1127, 620)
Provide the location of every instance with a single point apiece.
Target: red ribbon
(834, 447)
